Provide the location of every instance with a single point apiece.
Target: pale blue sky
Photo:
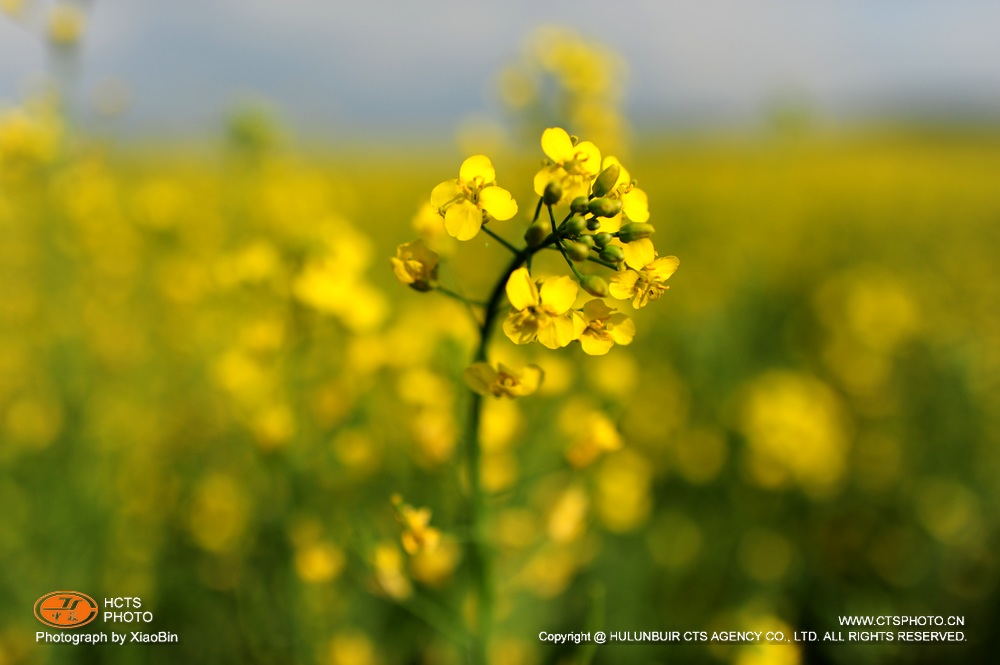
(388, 65)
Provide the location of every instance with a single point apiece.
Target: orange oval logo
(65, 609)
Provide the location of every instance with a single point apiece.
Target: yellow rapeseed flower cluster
(607, 224)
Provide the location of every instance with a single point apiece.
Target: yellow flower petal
(445, 193)
(531, 378)
(662, 268)
(639, 253)
(477, 166)
(543, 178)
(498, 202)
(596, 309)
(521, 289)
(622, 284)
(520, 329)
(557, 145)
(635, 205)
(595, 346)
(479, 377)
(559, 333)
(559, 293)
(611, 225)
(587, 158)
(621, 328)
(463, 220)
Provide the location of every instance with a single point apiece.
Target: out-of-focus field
(211, 384)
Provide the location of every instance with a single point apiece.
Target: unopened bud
(536, 234)
(606, 181)
(593, 224)
(587, 240)
(602, 239)
(573, 226)
(612, 254)
(553, 192)
(579, 205)
(576, 250)
(604, 207)
(635, 231)
(594, 285)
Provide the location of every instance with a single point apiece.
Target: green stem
(500, 240)
(594, 259)
(559, 244)
(451, 294)
(478, 547)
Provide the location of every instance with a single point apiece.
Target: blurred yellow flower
(388, 567)
(644, 279)
(605, 328)
(429, 225)
(435, 568)
(418, 535)
(795, 429)
(543, 314)
(567, 519)
(12, 7)
(590, 432)
(573, 166)
(623, 497)
(65, 25)
(351, 648)
(31, 138)
(416, 265)
(319, 562)
(503, 381)
(467, 201)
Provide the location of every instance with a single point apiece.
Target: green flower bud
(593, 224)
(536, 233)
(612, 254)
(553, 192)
(602, 239)
(579, 205)
(573, 226)
(604, 207)
(587, 240)
(594, 285)
(606, 181)
(576, 250)
(635, 231)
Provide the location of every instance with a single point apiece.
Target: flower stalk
(607, 216)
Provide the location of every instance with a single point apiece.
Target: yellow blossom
(469, 200)
(65, 25)
(543, 314)
(591, 432)
(387, 563)
(572, 167)
(416, 265)
(644, 279)
(606, 327)
(418, 535)
(503, 381)
(12, 7)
